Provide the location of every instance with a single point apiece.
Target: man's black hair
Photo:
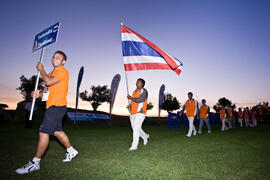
(190, 93)
(63, 54)
(203, 100)
(142, 80)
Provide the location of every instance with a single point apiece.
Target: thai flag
(141, 54)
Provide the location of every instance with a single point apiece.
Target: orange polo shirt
(58, 91)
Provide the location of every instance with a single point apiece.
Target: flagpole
(36, 86)
(126, 79)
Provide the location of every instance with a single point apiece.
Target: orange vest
(203, 111)
(222, 114)
(246, 115)
(240, 114)
(229, 110)
(190, 108)
(135, 107)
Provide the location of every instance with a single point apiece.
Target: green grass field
(242, 153)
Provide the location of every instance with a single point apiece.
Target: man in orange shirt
(191, 111)
(229, 116)
(240, 117)
(204, 111)
(55, 95)
(222, 115)
(138, 110)
(246, 116)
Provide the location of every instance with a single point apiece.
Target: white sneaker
(209, 132)
(194, 133)
(188, 135)
(145, 141)
(132, 149)
(71, 155)
(29, 167)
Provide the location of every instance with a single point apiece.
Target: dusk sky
(224, 46)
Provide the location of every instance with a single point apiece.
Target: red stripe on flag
(148, 66)
(167, 58)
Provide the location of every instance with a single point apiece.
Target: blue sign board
(46, 37)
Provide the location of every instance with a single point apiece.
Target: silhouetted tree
(97, 96)
(27, 85)
(3, 106)
(224, 102)
(170, 103)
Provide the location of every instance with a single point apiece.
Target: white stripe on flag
(143, 59)
(130, 37)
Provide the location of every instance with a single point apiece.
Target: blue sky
(224, 46)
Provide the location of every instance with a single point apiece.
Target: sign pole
(36, 86)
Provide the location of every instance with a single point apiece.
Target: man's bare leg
(63, 138)
(43, 143)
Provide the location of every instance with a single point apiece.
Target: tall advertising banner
(160, 98)
(80, 76)
(113, 91)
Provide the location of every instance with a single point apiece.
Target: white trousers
(136, 121)
(191, 126)
(240, 120)
(247, 122)
(224, 127)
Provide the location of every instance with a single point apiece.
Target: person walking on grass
(138, 111)
(204, 112)
(222, 115)
(246, 116)
(191, 107)
(229, 116)
(55, 95)
(240, 117)
(253, 118)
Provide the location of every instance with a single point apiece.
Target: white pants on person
(191, 126)
(254, 123)
(136, 121)
(247, 122)
(224, 127)
(240, 120)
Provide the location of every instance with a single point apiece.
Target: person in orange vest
(222, 115)
(138, 111)
(204, 111)
(246, 116)
(240, 117)
(191, 111)
(253, 118)
(229, 116)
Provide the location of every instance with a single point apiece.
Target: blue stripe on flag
(133, 48)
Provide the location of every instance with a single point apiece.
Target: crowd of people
(228, 115)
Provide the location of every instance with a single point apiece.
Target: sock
(36, 160)
(70, 149)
